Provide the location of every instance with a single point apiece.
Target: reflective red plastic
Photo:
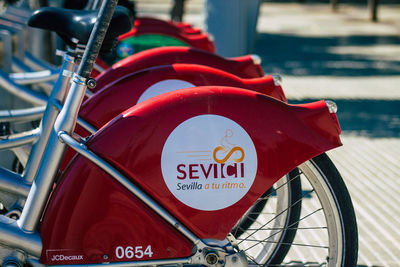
(241, 66)
(91, 215)
(184, 28)
(125, 92)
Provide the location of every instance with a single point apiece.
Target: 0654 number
(129, 252)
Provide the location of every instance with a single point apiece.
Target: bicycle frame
(201, 245)
(22, 92)
(8, 182)
(34, 77)
(22, 234)
(8, 179)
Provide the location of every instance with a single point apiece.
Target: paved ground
(345, 57)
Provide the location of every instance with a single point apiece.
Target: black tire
(325, 233)
(345, 206)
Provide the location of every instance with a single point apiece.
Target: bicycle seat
(72, 24)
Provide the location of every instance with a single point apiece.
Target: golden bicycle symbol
(228, 155)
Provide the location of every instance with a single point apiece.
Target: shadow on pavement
(328, 55)
(346, 56)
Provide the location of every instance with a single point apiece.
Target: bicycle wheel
(285, 205)
(325, 233)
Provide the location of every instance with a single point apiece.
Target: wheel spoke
(303, 227)
(281, 229)
(289, 244)
(271, 220)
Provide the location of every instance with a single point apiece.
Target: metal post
(6, 38)
(373, 10)
(334, 5)
(233, 25)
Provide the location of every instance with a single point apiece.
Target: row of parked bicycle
(179, 156)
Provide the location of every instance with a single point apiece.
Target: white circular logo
(163, 87)
(209, 162)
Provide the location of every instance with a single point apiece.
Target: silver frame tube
(12, 237)
(37, 64)
(19, 66)
(49, 117)
(85, 125)
(21, 91)
(65, 121)
(45, 84)
(34, 77)
(19, 139)
(13, 183)
(52, 156)
(22, 115)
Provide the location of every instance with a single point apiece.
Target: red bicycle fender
(283, 135)
(170, 147)
(146, 21)
(242, 66)
(200, 41)
(127, 91)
